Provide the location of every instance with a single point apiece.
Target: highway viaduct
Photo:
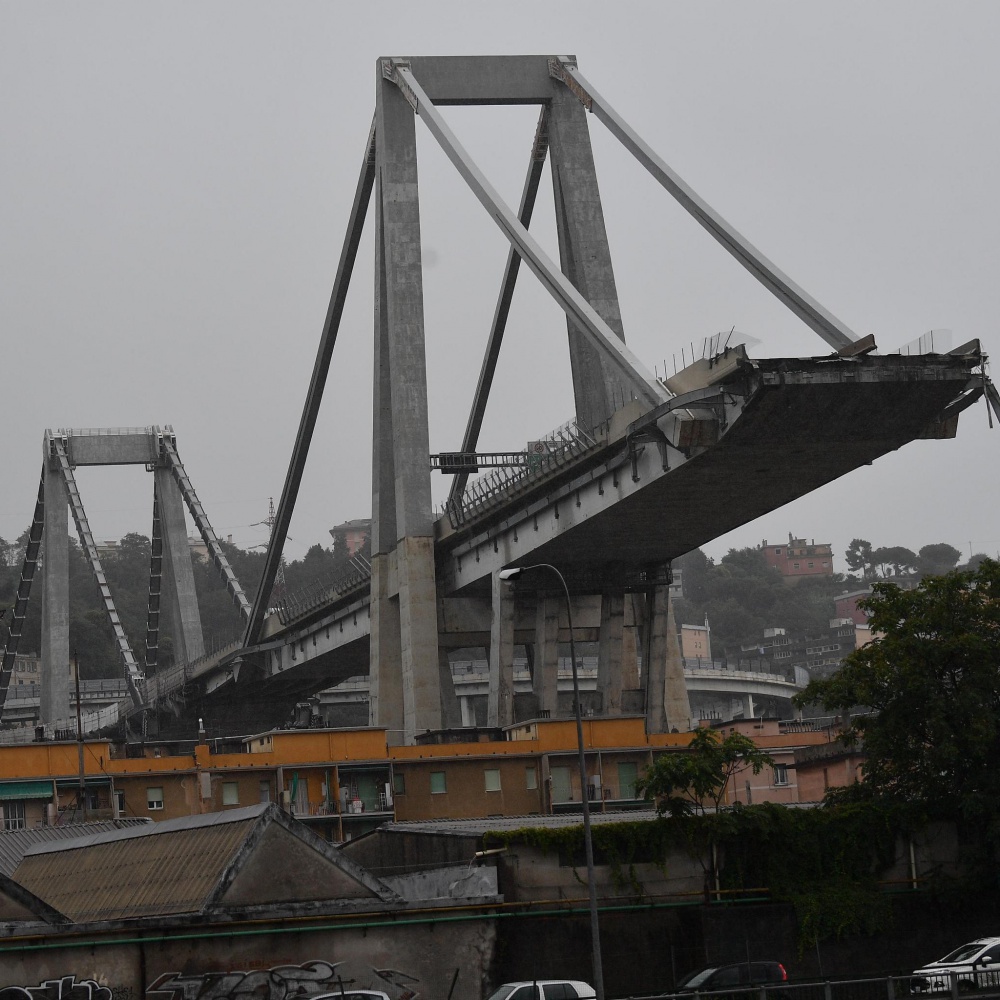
(648, 469)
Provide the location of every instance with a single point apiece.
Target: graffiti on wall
(282, 982)
(66, 988)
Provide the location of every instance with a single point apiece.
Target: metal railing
(558, 449)
(895, 987)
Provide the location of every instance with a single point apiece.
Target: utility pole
(82, 793)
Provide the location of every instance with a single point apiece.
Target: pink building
(799, 558)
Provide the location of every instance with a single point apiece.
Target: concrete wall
(212, 962)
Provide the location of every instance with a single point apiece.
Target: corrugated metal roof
(14, 844)
(138, 872)
(165, 826)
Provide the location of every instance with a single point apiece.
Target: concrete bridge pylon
(172, 587)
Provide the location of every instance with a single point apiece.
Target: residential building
(799, 558)
(352, 534)
(346, 782)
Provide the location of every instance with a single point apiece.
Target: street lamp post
(512, 573)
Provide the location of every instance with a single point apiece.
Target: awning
(25, 790)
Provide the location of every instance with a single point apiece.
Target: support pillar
(451, 708)
(630, 643)
(54, 703)
(500, 711)
(385, 682)
(181, 602)
(667, 704)
(545, 662)
(609, 652)
(584, 255)
(401, 485)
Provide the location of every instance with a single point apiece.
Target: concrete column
(584, 254)
(385, 681)
(418, 636)
(545, 662)
(609, 652)
(667, 705)
(385, 667)
(401, 338)
(630, 643)
(55, 678)
(451, 708)
(179, 597)
(500, 710)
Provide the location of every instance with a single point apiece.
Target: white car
(544, 989)
(975, 966)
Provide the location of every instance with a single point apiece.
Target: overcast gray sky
(175, 180)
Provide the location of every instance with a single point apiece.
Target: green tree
(859, 557)
(929, 685)
(685, 782)
(938, 558)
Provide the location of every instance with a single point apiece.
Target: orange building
(345, 782)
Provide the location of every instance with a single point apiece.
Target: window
(781, 774)
(810, 565)
(154, 799)
(398, 783)
(492, 776)
(439, 782)
(795, 565)
(13, 815)
(530, 778)
(119, 802)
(265, 791)
(230, 793)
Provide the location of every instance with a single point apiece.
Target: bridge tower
(411, 688)
(171, 570)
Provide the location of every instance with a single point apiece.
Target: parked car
(544, 989)
(736, 976)
(976, 966)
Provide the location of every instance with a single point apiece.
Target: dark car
(740, 975)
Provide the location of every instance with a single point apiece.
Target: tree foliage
(685, 782)
(929, 685)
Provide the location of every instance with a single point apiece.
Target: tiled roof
(14, 844)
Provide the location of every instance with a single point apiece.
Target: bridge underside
(803, 423)
(799, 424)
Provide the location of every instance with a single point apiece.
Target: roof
(15, 843)
(491, 824)
(254, 856)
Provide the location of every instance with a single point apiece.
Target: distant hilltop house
(799, 558)
(353, 534)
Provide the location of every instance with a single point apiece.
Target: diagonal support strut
(832, 330)
(314, 395)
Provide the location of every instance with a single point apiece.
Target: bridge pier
(178, 590)
(667, 704)
(609, 655)
(404, 662)
(545, 661)
(54, 703)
